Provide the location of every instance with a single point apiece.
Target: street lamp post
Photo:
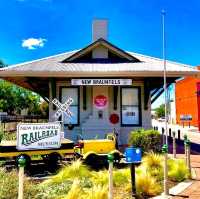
(165, 146)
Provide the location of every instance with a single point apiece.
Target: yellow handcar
(8, 150)
(94, 152)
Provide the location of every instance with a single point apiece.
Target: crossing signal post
(62, 109)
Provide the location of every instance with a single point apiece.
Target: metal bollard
(185, 149)
(188, 156)
(174, 144)
(163, 135)
(170, 132)
(179, 134)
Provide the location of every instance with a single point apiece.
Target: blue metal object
(133, 155)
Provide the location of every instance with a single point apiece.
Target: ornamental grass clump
(76, 191)
(99, 177)
(153, 160)
(178, 170)
(154, 165)
(147, 185)
(97, 192)
(74, 170)
(121, 177)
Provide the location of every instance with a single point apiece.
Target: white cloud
(33, 43)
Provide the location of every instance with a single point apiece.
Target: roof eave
(96, 73)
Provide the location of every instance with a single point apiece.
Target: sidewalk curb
(180, 187)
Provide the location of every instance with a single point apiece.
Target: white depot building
(111, 88)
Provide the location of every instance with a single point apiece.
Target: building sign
(115, 82)
(185, 117)
(100, 101)
(130, 115)
(38, 136)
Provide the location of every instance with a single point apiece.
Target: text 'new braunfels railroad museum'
(111, 88)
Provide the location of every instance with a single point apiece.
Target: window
(72, 92)
(130, 106)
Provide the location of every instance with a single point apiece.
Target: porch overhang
(12, 73)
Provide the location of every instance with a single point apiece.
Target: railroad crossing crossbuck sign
(63, 108)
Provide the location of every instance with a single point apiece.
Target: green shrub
(178, 170)
(147, 140)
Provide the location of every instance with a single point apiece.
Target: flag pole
(165, 145)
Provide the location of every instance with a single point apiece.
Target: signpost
(133, 156)
(110, 158)
(21, 164)
(62, 109)
(184, 118)
(38, 136)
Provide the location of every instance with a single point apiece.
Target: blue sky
(56, 26)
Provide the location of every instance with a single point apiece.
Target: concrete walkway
(192, 132)
(193, 191)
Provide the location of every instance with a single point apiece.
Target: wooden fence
(8, 123)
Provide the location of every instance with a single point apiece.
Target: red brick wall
(186, 99)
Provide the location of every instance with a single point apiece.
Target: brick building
(187, 94)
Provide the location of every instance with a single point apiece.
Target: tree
(160, 111)
(2, 64)
(13, 99)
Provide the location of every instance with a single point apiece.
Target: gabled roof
(101, 42)
(64, 65)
